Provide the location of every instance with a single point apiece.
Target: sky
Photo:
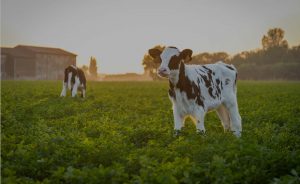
(119, 32)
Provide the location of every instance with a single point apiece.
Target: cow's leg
(82, 89)
(236, 122)
(69, 80)
(75, 87)
(83, 92)
(178, 120)
(74, 90)
(224, 117)
(64, 90)
(199, 115)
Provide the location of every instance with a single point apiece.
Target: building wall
(24, 68)
(40, 67)
(51, 67)
(3, 66)
(7, 67)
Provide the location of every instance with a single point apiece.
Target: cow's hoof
(177, 133)
(201, 132)
(238, 134)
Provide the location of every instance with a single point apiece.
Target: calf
(74, 80)
(198, 89)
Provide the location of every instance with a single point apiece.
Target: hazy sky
(119, 32)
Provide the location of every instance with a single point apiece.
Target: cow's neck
(176, 75)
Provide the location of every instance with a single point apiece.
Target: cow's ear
(154, 53)
(186, 55)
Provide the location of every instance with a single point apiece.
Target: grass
(122, 133)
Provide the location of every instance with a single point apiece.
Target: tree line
(274, 61)
(91, 72)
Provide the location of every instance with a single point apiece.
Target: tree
(93, 67)
(295, 54)
(208, 58)
(274, 38)
(85, 69)
(150, 67)
(220, 56)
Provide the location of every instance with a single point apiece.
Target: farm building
(34, 63)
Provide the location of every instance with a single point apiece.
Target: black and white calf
(74, 80)
(198, 89)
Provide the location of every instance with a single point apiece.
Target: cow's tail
(232, 68)
(235, 76)
(235, 81)
(233, 73)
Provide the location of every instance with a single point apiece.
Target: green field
(122, 133)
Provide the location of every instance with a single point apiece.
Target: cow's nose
(162, 70)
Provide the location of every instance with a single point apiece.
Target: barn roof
(45, 50)
(30, 51)
(16, 52)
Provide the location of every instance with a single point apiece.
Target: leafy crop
(122, 133)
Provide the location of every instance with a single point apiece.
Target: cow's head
(169, 59)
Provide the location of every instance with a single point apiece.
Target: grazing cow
(74, 80)
(198, 89)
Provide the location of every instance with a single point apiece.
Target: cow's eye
(174, 63)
